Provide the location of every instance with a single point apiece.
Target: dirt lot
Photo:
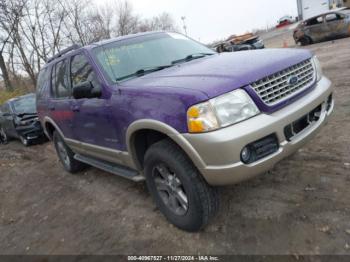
(300, 207)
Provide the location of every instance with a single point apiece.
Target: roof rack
(64, 51)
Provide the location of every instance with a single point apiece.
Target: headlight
(220, 112)
(318, 68)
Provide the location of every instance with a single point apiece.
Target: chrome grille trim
(274, 89)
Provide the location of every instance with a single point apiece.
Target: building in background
(310, 8)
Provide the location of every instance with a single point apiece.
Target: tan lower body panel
(103, 153)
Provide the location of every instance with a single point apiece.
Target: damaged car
(240, 43)
(19, 120)
(327, 26)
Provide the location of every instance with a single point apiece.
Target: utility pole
(183, 18)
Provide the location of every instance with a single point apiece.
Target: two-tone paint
(104, 127)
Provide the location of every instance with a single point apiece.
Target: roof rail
(64, 51)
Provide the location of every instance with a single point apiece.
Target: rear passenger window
(43, 81)
(60, 86)
(82, 71)
(333, 17)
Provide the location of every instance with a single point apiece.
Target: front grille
(276, 87)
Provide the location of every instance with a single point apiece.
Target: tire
(24, 141)
(171, 180)
(66, 155)
(305, 41)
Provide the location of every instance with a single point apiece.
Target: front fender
(173, 134)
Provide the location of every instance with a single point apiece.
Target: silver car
(323, 27)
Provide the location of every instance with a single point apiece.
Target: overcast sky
(209, 20)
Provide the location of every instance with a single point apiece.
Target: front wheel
(304, 41)
(179, 190)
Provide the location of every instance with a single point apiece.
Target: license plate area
(293, 129)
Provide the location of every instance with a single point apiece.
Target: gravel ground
(301, 207)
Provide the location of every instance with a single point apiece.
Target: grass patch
(4, 95)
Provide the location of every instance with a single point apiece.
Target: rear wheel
(177, 187)
(66, 155)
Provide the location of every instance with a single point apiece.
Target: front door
(317, 28)
(93, 122)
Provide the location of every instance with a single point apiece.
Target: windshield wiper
(192, 57)
(144, 71)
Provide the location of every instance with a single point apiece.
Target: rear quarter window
(43, 82)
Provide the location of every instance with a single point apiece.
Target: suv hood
(222, 73)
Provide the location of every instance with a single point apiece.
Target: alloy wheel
(170, 189)
(62, 151)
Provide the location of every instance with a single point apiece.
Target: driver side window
(82, 71)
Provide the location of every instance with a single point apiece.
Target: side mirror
(86, 90)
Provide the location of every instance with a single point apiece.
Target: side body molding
(129, 158)
(178, 138)
(98, 152)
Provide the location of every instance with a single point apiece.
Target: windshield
(25, 105)
(125, 59)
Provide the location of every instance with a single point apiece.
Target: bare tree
(10, 15)
(162, 22)
(127, 21)
(31, 31)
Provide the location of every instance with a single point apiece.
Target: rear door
(316, 28)
(60, 101)
(336, 24)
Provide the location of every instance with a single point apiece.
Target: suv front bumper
(220, 151)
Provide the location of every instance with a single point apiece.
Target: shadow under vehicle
(19, 120)
(327, 26)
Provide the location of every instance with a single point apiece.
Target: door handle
(75, 108)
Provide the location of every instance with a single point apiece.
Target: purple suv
(163, 108)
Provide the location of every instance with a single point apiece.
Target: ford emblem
(293, 80)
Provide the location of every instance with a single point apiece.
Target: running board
(111, 168)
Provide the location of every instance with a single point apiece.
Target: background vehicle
(284, 21)
(323, 27)
(240, 43)
(163, 108)
(18, 119)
